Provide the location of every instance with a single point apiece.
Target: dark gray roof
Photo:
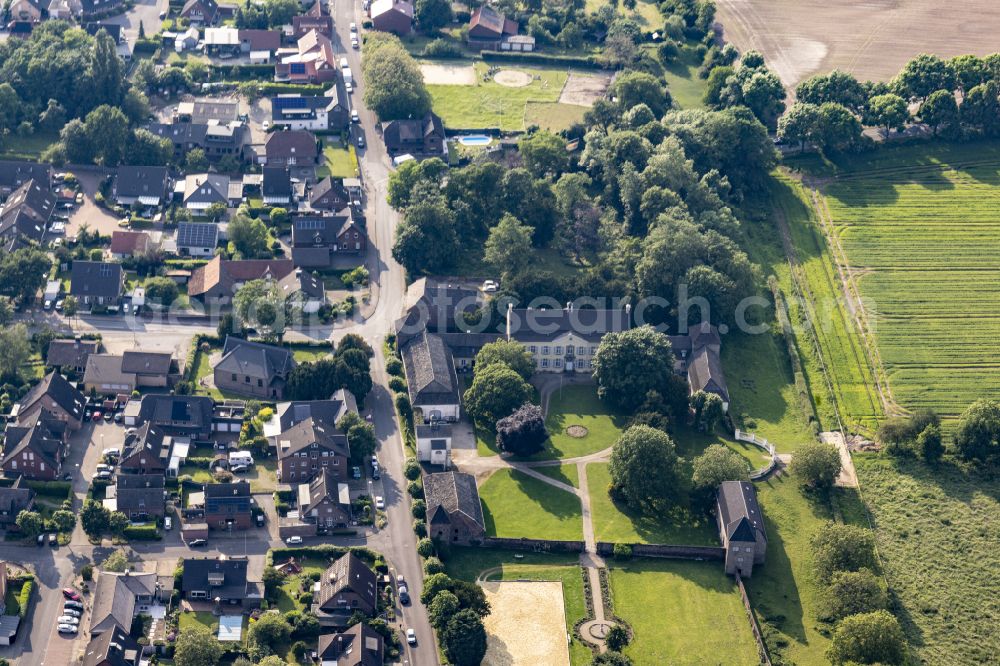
(304, 434)
(197, 234)
(739, 512)
(96, 279)
(71, 353)
(146, 363)
(328, 411)
(430, 371)
(348, 573)
(467, 345)
(454, 492)
(434, 304)
(326, 186)
(61, 391)
(255, 359)
(542, 325)
(141, 181)
(359, 645)
(9, 625)
(322, 487)
(115, 599)
(15, 499)
(233, 571)
(13, 173)
(139, 492)
(292, 143)
(148, 438)
(112, 648)
(277, 182)
(181, 411)
(319, 231)
(203, 135)
(42, 436)
(425, 431)
(27, 210)
(705, 373)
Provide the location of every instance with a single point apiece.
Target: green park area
(579, 422)
(518, 505)
(684, 613)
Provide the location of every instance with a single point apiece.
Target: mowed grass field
(937, 535)
(517, 505)
(578, 404)
(682, 613)
(920, 226)
(489, 104)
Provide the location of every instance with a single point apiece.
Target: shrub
(442, 48)
(24, 597)
(411, 469)
(433, 565)
(838, 547)
(397, 384)
(394, 367)
(142, 533)
(416, 489)
(87, 572)
(816, 464)
(868, 638)
(420, 528)
(852, 592)
(425, 547)
(617, 638)
(306, 599)
(622, 551)
(419, 509)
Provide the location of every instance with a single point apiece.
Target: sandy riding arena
(449, 75)
(584, 89)
(512, 78)
(527, 625)
(872, 39)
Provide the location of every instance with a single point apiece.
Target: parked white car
(72, 612)
(411, 637)
(68, 628)
(379, 503)
(67, 619)
(293, 540)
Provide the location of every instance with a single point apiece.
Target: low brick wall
(536, 545)
(664, 550)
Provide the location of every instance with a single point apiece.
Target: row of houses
(488, 28)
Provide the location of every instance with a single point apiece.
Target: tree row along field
(925, 242)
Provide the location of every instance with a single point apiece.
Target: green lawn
(489, 104)
(468, 563)
(553, 116)
(517, 505)
(646, 13)
(937, 535)
(578, 404)
(686, 88)
(197, 474)
(198, 619)
(26, 147)
(619, 523)
(338, 162)
(309, 354)
(567, 474)
(263, 476)
(682, 613)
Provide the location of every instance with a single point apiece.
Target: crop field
(937, 535)
(873, 40)
(919, 230)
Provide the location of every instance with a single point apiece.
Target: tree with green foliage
(147, 149)
(260, 304)
(816, 465)
(23, 273)
(63, 520)
(77, 143)
(708, 410)
(929, 444)
(630, 364)
(161, 290)
(280, 12)
(107, 70)
(248, 236)
(634, 87)
(360, 435)
(464, 639)
(616, 638)
(354, 341)
(195, 161)
(923, 75)
(270, 631)
(645, 469)
(316, 380)
(940, 110)
(510, 352)
(117, 522)
(544, 154)
(426, 241)
(434, 585)
(978, 434)
(30, 523)
(523, 433)
(981, 108)
(15, 351)
(508, 246)
(497, 391)
(888, 111)
(850, 593)
(394, 86)
(839, 547)
(838, 86)
(94, 517)
(716, 464)
(432, 15)
(116, 562)
(6, 310)
(868, 638)
(108, 133)
(441, 609)
(197, 647)
(799, 124)
(838, 130)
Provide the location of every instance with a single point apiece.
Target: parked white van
(240, 458)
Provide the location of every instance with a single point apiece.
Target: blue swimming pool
(475, 140)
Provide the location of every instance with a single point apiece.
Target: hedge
(24, 597)
(142, 533)
(146, 46)
(590, 62)
(60, 489)
(243, 72)
(326, 550)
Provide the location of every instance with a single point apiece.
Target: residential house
(113, 29)
(146, 185)
(26, 213)
(222, 42)
(203, 190)
(259, 41)
(96, 283)
(309, 448)
(564, 340)
(34, 448)
(358, 645)
(112, 648)
(24, 11)
(491, 30)
(93, 9)
(208, 111)
(138, 496)
(223, 506)
(188, 39)
(454, 513)
(220, 279)
(176, 415)
(146, 451)
(152, 369)
(55, 396)
(325, 501)
(312, 61)
(330, 111)
(129, 243)
(225, 578)
(420, 136)
(347, 586)
(203, 12)
(741, 527)
(303, 291)
(217, 140)
(288, 414)
(329, 195)
(395, 16)
(104, 375)
(197, 239)
(433, 443)
(431, 379)
(64, 10)
(70, 355)
(291, 148)
(13, 500)
(119, 597)
(14, 174)
(317, 240)
(315, 19)
(698, 357)
(276, 187)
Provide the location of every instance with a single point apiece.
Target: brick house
(348, 585)
(741, 527)
(253, 369)
(317, 240)
(325, 502)
(35, 449)
(291, 148)
(57, 398)
(454, 513)
(146, 451)
(395, 16)
(309, 448)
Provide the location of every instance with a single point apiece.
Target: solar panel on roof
(298, 68)
(179, 411)
(310, 224)
(196, 233)
(282, 103)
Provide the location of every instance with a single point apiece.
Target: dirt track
(871, 39)
(527, 625)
